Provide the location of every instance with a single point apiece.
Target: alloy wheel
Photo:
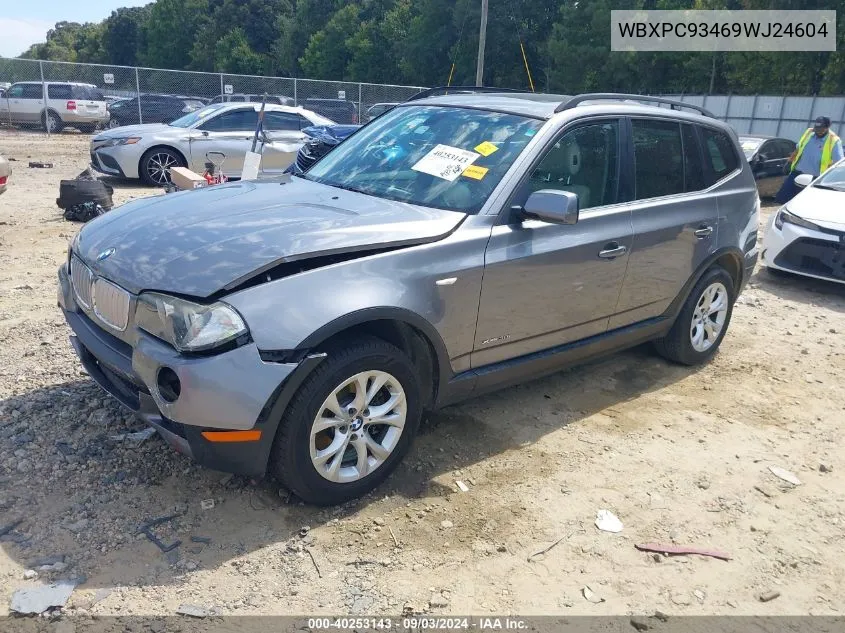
(113, 123)
(52, 122)
(158, 167)
(709, 316)
(358, 426)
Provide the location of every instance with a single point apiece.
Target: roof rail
(442, 90)
(618, 96)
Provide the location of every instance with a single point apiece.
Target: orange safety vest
(827, 150)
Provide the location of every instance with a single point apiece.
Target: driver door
(230, 133)
(546, 284)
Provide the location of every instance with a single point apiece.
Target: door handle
(703, 231)
(612, 251)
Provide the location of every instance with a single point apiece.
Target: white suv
(77, 105)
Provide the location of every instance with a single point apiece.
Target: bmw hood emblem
(106, 254)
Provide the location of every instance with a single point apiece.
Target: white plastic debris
(462, 486)
(590, 595)
(207, 504)
(606, 521)
(782, 473)
(39, 599)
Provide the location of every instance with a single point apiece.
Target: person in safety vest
(818, 148)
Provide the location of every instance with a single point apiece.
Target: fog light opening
(169, 385)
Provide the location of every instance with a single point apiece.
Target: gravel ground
(680, 456)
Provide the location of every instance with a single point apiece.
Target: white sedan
(149, 151)
(806, 236)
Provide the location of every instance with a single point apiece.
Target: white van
(77, 105)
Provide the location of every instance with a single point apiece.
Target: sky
(24, 23)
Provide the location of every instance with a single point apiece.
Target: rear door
(673, 215)
(230, 133)
(547, 284)
(283, 129)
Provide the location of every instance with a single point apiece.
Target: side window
(59, 91)
(282, 121)
(719, 153)
(786, 148)
(658, 158)
(15, 92)
(769, 149)
(693, 167)
(32, 91)
(235, 121)
(585, 161)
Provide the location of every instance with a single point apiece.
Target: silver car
(149, 151)
(5, 173)
(455, 245)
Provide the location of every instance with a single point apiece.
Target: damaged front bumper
(215, 409)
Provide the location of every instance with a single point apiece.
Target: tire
(52, 122)
(297, 447)
(113, 123)
(682, 345)
(155, 165)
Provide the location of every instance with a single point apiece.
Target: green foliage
(566, 42)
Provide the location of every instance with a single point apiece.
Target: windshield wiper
(829, 187)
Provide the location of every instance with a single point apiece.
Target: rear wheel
(349, 425)
(700, 327)
(156, 164)
(113, 123)
(51, 122)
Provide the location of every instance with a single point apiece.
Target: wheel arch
(159, 146)
(730, 259)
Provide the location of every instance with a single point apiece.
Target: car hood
(129, 130)
(822, 206)
(202, 242)
(330, 134)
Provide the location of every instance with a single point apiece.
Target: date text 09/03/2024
(419, 623)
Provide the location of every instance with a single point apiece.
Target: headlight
(188, 326)
(121, 141)
(785, 216)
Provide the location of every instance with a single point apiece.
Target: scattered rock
(30, 574)
(446, 524)
(207, 504)
(438, 602)
(378, 521)
(699, 594)
(661, 616)
(590, 595)
(768, 596)
(194, 611)
(77, 526)
(825, 468)
(681, 599)
(606, 521)
(640, 623)
(785, 475)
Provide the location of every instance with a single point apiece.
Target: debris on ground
(39, 599)
(537, 555)
(30, 574)
(825, 468)
(640, 623)
(785, 475)
(590, 595)
(446, 524)
(768, 596)
(83, 212)
(765, 491)
(37, 164)
(6, 529)
(207, 504)
(205, 540)
(135, 438)
(84, 197)
(678, 550)
(146, 530)
(606, 521)
(461, 486)
(195, 611)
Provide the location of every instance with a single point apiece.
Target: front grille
(815, 257)
(81, 277)
(111, 304)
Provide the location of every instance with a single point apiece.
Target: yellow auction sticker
(486, 148)
(476, 172)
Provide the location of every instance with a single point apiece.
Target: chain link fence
(147, 95)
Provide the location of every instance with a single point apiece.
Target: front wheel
(156, 164)
(349, 425)
(700, 327)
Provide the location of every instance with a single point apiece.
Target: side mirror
(804, 179)
(553, 206)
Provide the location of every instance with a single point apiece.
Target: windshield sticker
(475, 172)
(445, 162)
(530, 132)
(486, 148)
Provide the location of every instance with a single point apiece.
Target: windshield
(198, 115)
(749, 145)
(834, 178)
(443, 157)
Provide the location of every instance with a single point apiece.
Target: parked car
(320, 140)
(155, 108)
(378, 109)
(253, 98)
(806, 236)
(338, 110)
(5, 173)
(768, 157)
(455, 245)
(77, 105)
(149, 151)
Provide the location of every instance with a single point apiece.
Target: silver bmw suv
(459, 243)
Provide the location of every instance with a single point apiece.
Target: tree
(171, 30)
(232, 54)
(123, 35)
(327, 53)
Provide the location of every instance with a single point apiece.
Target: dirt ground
(680, 456)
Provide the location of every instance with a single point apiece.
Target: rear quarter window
(59, 91)
(719, 154)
